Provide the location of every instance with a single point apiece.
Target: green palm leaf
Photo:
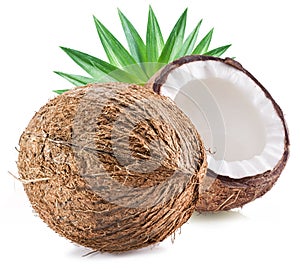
(60, 91)
(92, 65)
(218, 51)
(136, 45)
(142, 60)
(76, 79)
(189, 43)
(203, 45)
(115, 51)
(154, 38)
(174, 41)
(101, 70)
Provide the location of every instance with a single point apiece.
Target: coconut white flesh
(237, 122)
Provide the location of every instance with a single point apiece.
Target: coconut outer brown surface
(220, 192)
(105, 178)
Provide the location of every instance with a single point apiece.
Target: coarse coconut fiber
(113, 167)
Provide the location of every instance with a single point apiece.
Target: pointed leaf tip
(217, 52)
(76, 80)
(175, 40)
(189, 43)
(154, 38)
(203, 45)
(136, 45)
(114, 50)
(60, 91)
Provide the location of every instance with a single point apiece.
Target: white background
(265, 38)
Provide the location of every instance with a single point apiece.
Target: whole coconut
(113, 167)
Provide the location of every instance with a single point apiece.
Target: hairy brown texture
(220, 192)
(113, 167)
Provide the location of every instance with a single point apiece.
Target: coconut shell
(113, 167)
(220, 192)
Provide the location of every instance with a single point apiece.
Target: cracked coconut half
(242, 127)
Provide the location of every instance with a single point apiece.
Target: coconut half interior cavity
(241, 125)
(250, 140)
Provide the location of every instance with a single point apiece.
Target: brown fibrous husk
(220, 192)
(88, 186)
